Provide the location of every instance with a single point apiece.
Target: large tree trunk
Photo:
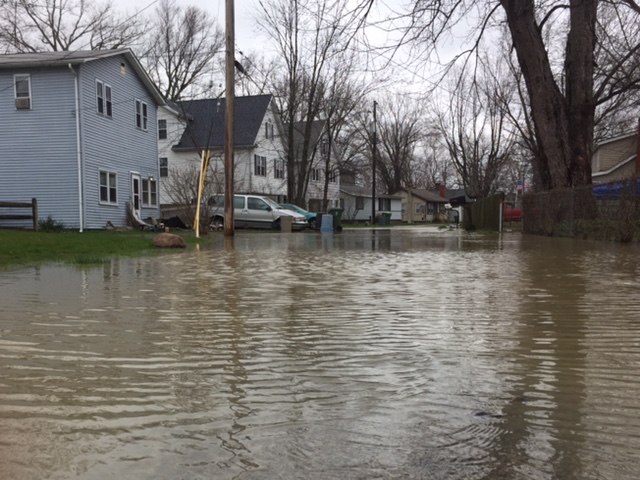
(564, 125)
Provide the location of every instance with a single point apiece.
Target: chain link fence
(601, 212)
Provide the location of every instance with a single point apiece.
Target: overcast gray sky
(247, 36)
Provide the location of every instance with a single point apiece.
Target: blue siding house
(78, 133)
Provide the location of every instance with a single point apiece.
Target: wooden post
(205, 155)
(34, 210)
(229, 124)
(373, 162)
(638, 151)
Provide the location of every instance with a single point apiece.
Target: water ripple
(372, 354)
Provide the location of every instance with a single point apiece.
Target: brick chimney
(442, 189)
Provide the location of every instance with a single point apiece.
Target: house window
(315, 174)
(384, 204)
(359, 203)
(141, 115)
(260, 165)
(23, 91)
(108, 187)
(324, 147)
(162, 129)
(268, 130)
(430, 208)
(149, 192)
(164, 167)
(103, 99)
(333, 176)
(278, 168)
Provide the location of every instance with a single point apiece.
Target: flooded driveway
(389, 354)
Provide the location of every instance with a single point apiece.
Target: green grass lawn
(27, 247)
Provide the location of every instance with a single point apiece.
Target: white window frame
(259, 166)
(164, 166)
(149, 192)
(315, 174)
(278, 168)
(142, 115)
(333, 176)
(109, 189)
(162, 129)
(104, 101)
(19, 97)
(268, 129)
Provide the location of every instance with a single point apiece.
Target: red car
(511, 214)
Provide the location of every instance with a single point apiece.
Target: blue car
(310, 216)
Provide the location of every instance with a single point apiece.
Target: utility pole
(373, 162)
(229, 120)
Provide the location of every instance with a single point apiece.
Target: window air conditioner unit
(23, 103)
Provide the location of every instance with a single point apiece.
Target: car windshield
(295, 208)
(272, 204)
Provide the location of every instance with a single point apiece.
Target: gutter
(79, 150)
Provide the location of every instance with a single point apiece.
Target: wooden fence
(483, 214)
(33, 205)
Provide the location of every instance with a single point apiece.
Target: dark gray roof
(207, 121)
(317, 127)
(78, 57)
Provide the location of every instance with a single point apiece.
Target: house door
(135, 194)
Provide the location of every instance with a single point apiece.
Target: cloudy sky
(247, 36)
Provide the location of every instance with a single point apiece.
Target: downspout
(79, 151)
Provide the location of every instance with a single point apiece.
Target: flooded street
(384, 354)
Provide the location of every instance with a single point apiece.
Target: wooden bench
(17, 216)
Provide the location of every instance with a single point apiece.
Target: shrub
(50, 225)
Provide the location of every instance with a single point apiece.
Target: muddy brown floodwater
(406, 353)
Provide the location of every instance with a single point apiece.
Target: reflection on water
(369, 354)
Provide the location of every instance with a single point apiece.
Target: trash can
(336, 213)
(384, 218)
(286, 223)
(327, 223)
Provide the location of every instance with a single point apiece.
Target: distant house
(187, 129)
(615, 159)
(323, 161)
(77, 131)
(419, 205)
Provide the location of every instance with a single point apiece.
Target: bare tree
(472, 126)
(345, 91)
(545, 34)
(433, 166)
(400, 130)
(61, 25)
(307, 36)
(180, 51)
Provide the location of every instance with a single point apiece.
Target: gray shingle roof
(62, 59)
(207, 121)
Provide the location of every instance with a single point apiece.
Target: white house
(616, 158)
(187, 129)
(324, 166)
